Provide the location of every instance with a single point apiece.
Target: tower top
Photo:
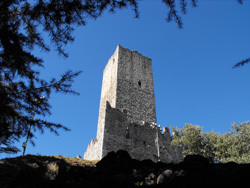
(120, 47)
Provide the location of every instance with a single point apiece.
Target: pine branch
(242, 63)
(63, 85)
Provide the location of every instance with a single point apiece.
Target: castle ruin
(127, 116)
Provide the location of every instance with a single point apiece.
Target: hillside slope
(119, 170)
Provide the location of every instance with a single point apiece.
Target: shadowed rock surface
(118, 169)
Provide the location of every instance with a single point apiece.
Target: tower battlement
(127, 111)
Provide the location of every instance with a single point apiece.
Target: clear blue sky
(192, 68)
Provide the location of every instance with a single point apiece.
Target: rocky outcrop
(118, 169)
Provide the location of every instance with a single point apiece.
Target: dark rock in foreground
(120, 170)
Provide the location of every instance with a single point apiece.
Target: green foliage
(231, 146)
(236, 143)
(189, 138)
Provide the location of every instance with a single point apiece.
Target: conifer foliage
(22, 28)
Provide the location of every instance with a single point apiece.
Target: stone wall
(135, 88)
(108, 93)
(137, 139)
(127, 111)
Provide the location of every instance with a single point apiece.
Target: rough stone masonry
(127, 116)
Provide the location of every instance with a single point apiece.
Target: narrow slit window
(139, 83)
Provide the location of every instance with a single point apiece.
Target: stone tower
(127, 116)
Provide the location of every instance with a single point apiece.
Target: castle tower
(127, 109)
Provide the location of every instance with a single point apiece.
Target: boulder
(196, 164)
(52, 170)
(165, 176)
(197, 159)
(107, 161)
(116, 160)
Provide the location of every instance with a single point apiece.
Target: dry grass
(77, 162)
